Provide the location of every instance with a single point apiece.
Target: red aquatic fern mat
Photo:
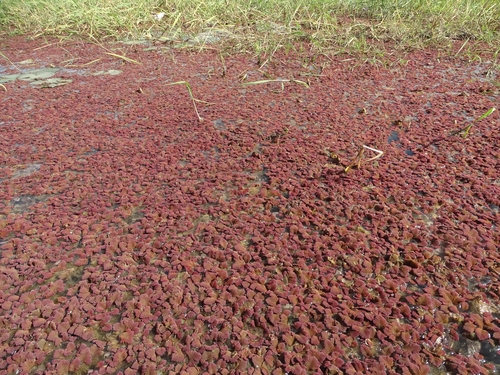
(135, 238)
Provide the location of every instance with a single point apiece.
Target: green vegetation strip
(264, 25)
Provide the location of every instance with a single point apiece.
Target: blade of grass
(275, 80)
(465, 131)
(91, 62)
(193, 99)
(10, 62)
(125, 58)
(486, 114)
(170, 28)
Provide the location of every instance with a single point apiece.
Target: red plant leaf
(289, 338)
(177, 355)
(482, 334)
(312, 363)
(127, 337)
(85, 355)
(62, 367)
(380, 321)
(387, 361)
(120, 355)
(469, 327)
(366, 350)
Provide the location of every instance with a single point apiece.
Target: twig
(125, 58)
(10, 62)
(282, 81)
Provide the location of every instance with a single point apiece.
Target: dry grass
(341, 25)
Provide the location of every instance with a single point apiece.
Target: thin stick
(275, 80)
(125, 58)
(380, 153)
(10, 62)
(359, 157)
(356, 161)
(91, 62)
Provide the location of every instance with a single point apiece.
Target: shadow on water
(22, 203)
(394, 138)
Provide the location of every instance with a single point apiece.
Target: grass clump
(94, 18)
(265, 25)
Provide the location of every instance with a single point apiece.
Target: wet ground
(135, 238)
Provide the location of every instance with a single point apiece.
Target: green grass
(265, 25)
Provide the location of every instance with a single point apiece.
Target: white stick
(380, 153)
